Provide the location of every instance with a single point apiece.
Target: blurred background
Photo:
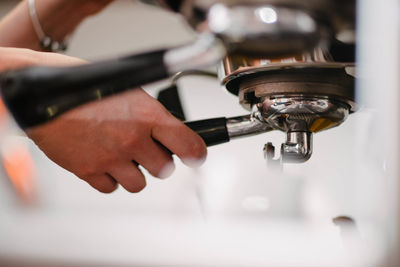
(233, 210)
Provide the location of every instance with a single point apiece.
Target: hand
(103, 142)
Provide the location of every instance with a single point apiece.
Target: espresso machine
(287, 61)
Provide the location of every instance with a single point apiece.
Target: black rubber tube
(38, 94)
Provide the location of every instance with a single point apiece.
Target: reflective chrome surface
(299, 113)
(310, 4)
(205, 51)
(298, 147)
(338, 16)
(235, 66)
(246, 125)
(300, 117)
(278, 62)
(263, 29)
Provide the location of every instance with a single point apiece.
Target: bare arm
(58, 19)
(101, 142)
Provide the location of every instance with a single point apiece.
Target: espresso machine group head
(286, 60)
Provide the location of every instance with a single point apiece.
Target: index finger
(180, 140)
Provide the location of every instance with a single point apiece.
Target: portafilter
(275, 57)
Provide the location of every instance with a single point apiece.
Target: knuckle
(86, 171)
(162, 115)
(152, 111)
(104, 161)
(166, 114)
(155, 110)
(132, 141)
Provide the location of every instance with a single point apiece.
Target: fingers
(181, 141)
(103, 183)
(129, 176)
(154, 158)
(14, 58)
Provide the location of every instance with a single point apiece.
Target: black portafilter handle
(35, 95)
(213, 131)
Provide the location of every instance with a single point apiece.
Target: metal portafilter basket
(268, 64)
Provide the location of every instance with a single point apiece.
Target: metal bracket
(296, 149)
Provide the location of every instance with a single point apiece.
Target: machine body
(286, 60)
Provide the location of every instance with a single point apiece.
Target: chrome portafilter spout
(297, 101)
(300, 117)
(298, 147)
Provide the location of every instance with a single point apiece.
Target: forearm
(58, 18)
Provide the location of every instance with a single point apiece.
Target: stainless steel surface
(340, 14)
(299, 113)
(298, 102)
(263, 29)
(317, 5)
(299, 94)
(181, 74)
(297, 148)
(233, 66)
(278, 62)
(306, 3)
(205, 51)
(250, 30)
(300, 117)
(292, 24)
(246, 125)
(329, 83)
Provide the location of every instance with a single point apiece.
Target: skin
(58, 19)
(102, 142)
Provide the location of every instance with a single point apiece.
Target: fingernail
(194, 162)
(167, 171)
